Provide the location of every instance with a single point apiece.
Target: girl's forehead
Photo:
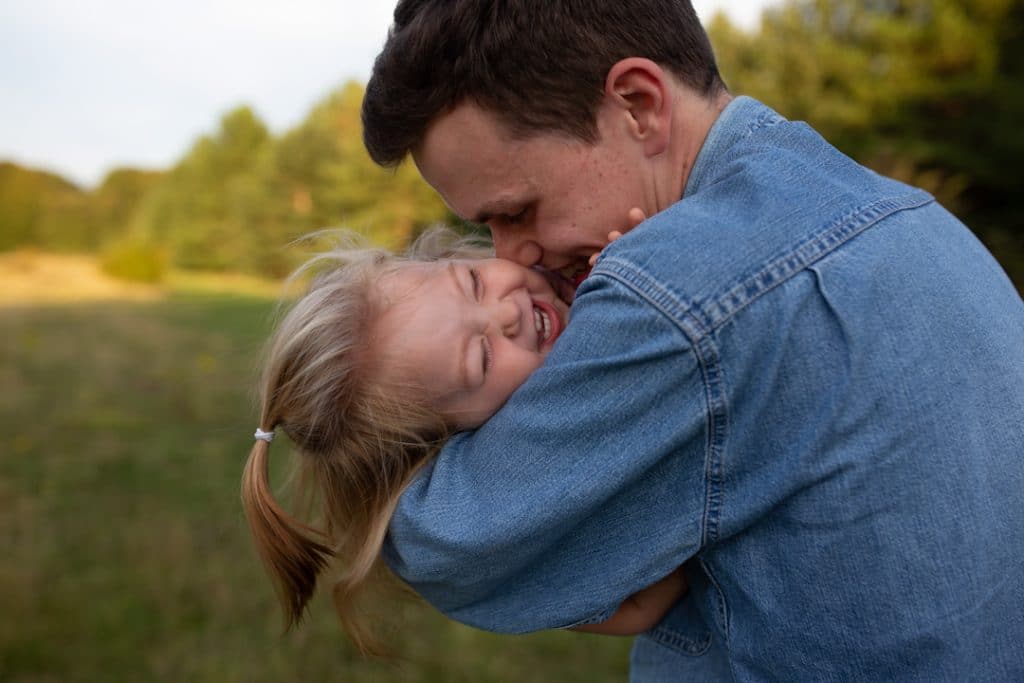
(418, 274)
(419, 326)
(404, 280)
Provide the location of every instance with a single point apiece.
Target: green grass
(124, 551)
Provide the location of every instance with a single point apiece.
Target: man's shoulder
(769, 207)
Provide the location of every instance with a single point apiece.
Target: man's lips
(578, 279)
(575, 273)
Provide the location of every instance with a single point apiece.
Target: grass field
(124, 551)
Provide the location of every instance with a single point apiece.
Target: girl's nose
(507, 317)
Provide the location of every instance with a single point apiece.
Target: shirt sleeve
(587, 486)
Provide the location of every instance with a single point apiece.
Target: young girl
(381, 360)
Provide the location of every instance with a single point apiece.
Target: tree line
(927, 91)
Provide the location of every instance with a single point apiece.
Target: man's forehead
(476, 188)
(467, 136)
(469, 119)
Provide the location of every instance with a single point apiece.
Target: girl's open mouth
(546, 322)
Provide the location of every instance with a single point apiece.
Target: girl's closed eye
(487, 354)
(478, 283)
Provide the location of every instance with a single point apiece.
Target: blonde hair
(359, 441)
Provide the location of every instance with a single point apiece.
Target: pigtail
(353, 591)
(359, 441)
(293, 557)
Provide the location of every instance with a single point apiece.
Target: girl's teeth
(542, 323)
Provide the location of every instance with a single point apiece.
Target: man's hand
(643, 610)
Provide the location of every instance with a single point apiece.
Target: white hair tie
(264, 436)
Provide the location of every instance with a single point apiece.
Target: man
(800, 380)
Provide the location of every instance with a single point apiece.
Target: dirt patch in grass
(30, 278)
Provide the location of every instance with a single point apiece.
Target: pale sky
(86, 86)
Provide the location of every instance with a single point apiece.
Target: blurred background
(156, 161)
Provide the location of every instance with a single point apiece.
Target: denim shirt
(804, 381)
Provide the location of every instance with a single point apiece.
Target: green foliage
(390, 205)
(40, 209)
(134, 260)
(239, 198)
(191, 212)
(927, 91)
(115, 201)
(43, 210)
(317, 176)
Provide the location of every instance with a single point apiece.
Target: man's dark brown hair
(539, 65)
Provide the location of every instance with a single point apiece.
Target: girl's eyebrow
(459, 287)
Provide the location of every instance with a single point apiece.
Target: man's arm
(588, 486)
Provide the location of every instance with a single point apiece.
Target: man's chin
(565, 289)
(578, 279)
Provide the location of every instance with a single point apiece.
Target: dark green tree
(318, 176)
(192, 211)
(113, 204)
(41, 209)
(928, 91)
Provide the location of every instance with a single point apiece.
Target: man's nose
(522, 250)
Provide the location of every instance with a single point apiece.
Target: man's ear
(640, 90)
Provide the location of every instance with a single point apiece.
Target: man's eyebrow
(463, 362)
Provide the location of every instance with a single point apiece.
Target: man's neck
(692, 118)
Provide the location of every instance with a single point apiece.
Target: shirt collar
(739, 118)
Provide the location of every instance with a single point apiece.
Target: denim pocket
(683, 629)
